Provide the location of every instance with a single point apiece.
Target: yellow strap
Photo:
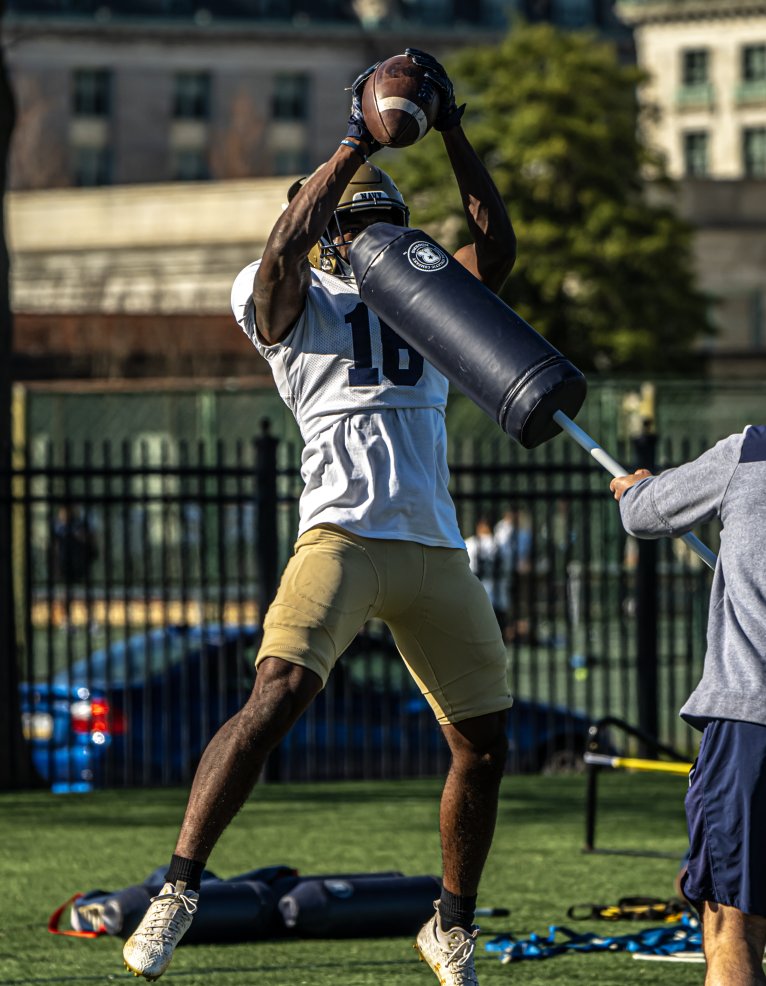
(662, 766)
(636, 763)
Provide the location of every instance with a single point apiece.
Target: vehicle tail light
(96, 717)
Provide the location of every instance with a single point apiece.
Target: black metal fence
(140, 577)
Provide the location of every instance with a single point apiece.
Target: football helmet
(370, 190)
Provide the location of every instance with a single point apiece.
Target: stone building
(132, 282)
(706, 66)
(124, 91)
(706, 61)
(149, 100)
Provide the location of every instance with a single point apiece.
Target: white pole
(611, 465)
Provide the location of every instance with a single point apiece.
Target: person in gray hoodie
(726, 800)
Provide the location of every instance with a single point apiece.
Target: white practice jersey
(370, 411)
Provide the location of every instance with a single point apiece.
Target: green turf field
(51, 847)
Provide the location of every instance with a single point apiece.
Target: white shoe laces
(461, 954)
(167, 916)
(460, 958)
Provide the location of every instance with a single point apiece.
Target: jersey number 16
(363, 373)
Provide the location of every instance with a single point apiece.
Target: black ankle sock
(188, 870)
(456, 911)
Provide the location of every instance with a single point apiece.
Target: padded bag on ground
(240, 909)
(234, 912)
(463, 329)
(227, 912)
(286, 883)
(359, 907)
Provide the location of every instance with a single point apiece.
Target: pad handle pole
(611, 465)
(637, 763)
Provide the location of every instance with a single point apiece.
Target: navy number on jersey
(402, 365)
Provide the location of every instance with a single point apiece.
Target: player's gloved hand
(356, 126)
(449, 112)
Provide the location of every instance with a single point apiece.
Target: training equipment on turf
(480, 344)
(637, 763)
(632, 909)
(684, 936)
(266, 903)
(361, 907)
(399, 103)
(601, 753)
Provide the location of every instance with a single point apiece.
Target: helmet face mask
(352, 222)
(371, 196)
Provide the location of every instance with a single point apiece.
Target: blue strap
(684, 936)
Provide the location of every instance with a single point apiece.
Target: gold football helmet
(370, 189)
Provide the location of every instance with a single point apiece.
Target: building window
(92, 166)
(695, 91)
(754, 152)
(696, 154)
(751, 90)
(191, 96)
(290, 100)
(92, 92)
(190, 164)
(694, 67)
(754, 63)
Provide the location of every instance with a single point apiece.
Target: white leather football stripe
(398, 103)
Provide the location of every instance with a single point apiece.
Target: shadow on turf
(209, 971)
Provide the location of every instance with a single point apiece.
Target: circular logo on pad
(427, 256)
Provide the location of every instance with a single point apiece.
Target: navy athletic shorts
(726, 815)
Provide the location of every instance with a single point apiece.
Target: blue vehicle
(141, 712)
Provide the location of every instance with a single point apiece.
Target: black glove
(449, 113)
(356, 125)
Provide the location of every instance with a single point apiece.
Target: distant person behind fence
(513, 537)
(488, 565)
(726, 801)
(74, 546)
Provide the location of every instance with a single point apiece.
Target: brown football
(399, 103)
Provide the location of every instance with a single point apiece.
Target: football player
(378, 534)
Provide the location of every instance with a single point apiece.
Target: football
(399, 103)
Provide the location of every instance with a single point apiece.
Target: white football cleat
(150, 948)
(448, 953)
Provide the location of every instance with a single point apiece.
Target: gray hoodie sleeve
(678, 499)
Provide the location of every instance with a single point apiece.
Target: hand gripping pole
(611, 465)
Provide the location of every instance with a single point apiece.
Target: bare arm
(284, 275)
(493, 252)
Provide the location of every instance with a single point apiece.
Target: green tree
(603, 273)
